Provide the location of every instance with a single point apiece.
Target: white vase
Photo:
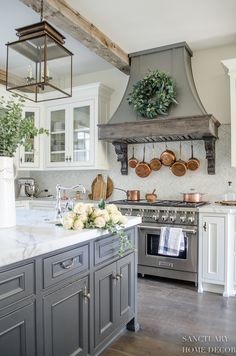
(7, 193)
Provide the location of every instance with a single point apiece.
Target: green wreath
(153, 95)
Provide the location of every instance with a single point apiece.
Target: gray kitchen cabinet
(114, 297)
(65, 314)
(105, 302)
(125, 288)
(72, 301)
(17, 332)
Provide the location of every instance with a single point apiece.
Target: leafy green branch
(15, 130)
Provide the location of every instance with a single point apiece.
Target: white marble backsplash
(167, 185)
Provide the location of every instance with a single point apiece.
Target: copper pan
(132, 195)
(179, 168)
(143, 169)
(193, 163)
(132, 161)
(167, 157)
(155, 163)
(193, 197)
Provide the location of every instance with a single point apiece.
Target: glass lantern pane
(39, 69)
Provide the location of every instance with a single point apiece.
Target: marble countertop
(34, 235)
(218, 209)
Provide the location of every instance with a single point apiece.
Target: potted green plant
(15, 130)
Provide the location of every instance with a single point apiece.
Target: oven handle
(156, 228)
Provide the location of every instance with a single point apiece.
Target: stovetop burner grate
(166, 203)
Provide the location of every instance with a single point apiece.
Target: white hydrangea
(111, 208)
(115, 218)
(99, 222)
(67, 222)
(80, 208)
(78, 224)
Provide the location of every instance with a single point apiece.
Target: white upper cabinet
(73, 136)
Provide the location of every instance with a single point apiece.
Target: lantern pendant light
(39, 67)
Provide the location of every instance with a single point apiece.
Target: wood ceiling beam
(62, 15)
(2, 76)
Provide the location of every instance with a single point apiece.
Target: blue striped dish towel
(171, 241)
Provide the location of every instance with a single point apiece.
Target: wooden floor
(172, 315)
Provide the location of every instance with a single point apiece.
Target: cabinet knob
(114, 276)
(205, 226)
(66, 159)
(21, 160)
(70, 158)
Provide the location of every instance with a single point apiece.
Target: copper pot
(155, 163)
(193, 163)
(179, 167)
(167, 157)
(132, 195)
(151, 197)
(143, 169)
(132, 161)
(193, 197)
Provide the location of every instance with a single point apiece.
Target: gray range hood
(186, 121)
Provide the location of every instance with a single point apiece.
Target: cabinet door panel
(105, 302)
(56, 155)
(29, 155)
(213, 248)
(125, 292)
(17, 333)
(66, 321)
(81, 133)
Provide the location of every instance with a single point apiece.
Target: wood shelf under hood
(203, 127)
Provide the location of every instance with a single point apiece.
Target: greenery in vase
(15, 130)
(153, 95)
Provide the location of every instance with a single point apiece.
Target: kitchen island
(64, 292)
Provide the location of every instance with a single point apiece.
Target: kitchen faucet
(59, 187)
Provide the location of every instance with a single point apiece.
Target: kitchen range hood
(186, 121)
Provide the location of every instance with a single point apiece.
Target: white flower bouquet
(102, 216)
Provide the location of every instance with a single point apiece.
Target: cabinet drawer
(108, 247)
(64, 265)
(16, 284)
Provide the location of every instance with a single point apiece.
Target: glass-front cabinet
(57, 135)
(71, 134)
(29, 156)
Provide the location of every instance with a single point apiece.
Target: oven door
(149, 237)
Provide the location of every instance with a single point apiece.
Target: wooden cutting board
(227, 202)
(99, 188)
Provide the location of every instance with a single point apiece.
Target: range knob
(165, 217)
(141, 213)
(182, 218)
(172, 217)
(156, 216)
(128, 212)
(191, 219)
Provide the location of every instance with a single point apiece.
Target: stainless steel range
(162, 213)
